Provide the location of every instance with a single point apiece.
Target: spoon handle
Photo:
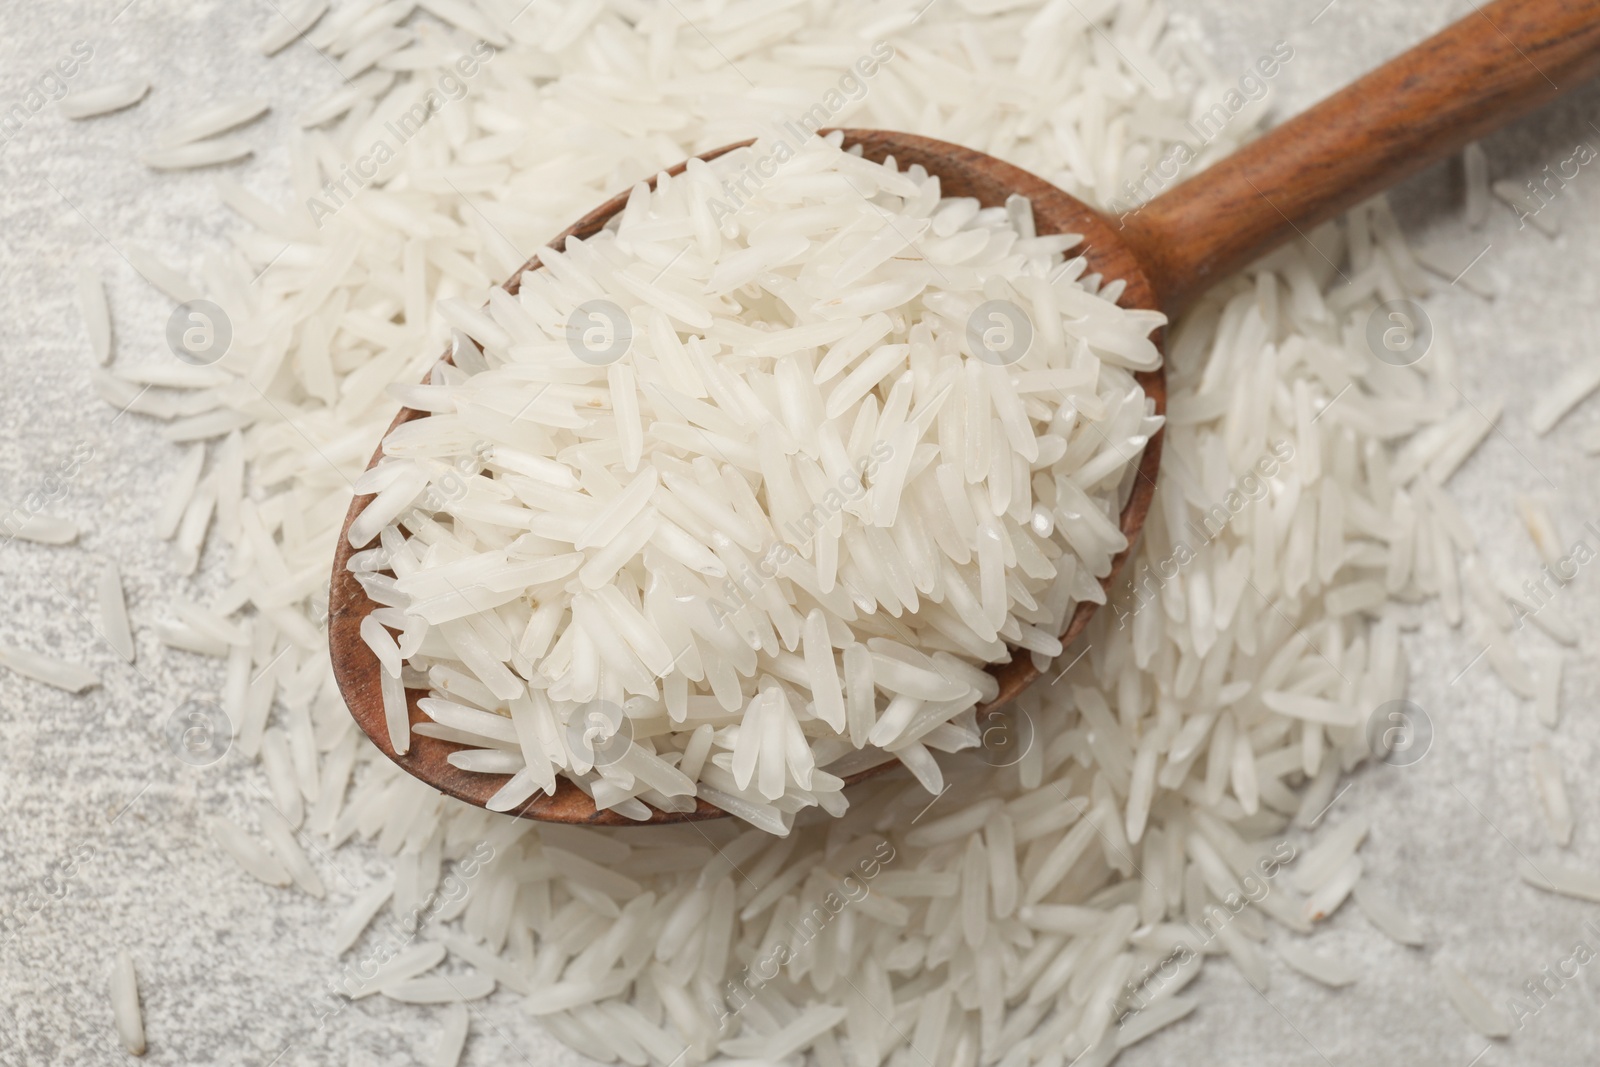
(1504, 59)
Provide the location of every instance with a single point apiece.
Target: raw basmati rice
(1554, 878)
(38, 527)
(114, 624)
(209, 121)
(1314, 965)
(1573, 387)
(1321, 863)
(198, 154)
(1545, 768)
(1475, 1008)
(96, 316)
(446, 1048)
(358, 914)
(1183, 652)
(1527, 208)
(752, 472)
(72, 677)
(257, 861)
(441, 989)
(104, 99)
(1386, 915)
(289, 22)
(1547, 692)
(167, 280)
(125, 1004)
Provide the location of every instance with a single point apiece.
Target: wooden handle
(1502, 61)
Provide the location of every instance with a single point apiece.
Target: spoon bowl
(962, 172)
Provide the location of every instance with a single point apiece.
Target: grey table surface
(232, 970)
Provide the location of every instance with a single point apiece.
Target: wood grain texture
(962, 172)
(1500, 62)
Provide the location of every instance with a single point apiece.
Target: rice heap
(1055, 905)
(770, 539)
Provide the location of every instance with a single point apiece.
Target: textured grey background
(231, 969)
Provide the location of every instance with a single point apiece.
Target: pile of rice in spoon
(738, 496)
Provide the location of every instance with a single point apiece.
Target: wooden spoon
(1500, 62)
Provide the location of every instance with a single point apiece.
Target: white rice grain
(1545, 768)
(1475, 1009)
(164, 278)
(441, 989)
(353, 922)
(288, 23)
(209, 121)
(114, 612)
(280, 836)
(125, 1004)
(189, 156)
(1329, 971)
(1574, 386)
(96, 315)
(104, 99)
(1553, 878)
(1154, 1018)
(72, 677)
(452, 1038)
(1386, 915)
(1332, 893)
(38, 527)
(256, 860)
(1547, 692)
